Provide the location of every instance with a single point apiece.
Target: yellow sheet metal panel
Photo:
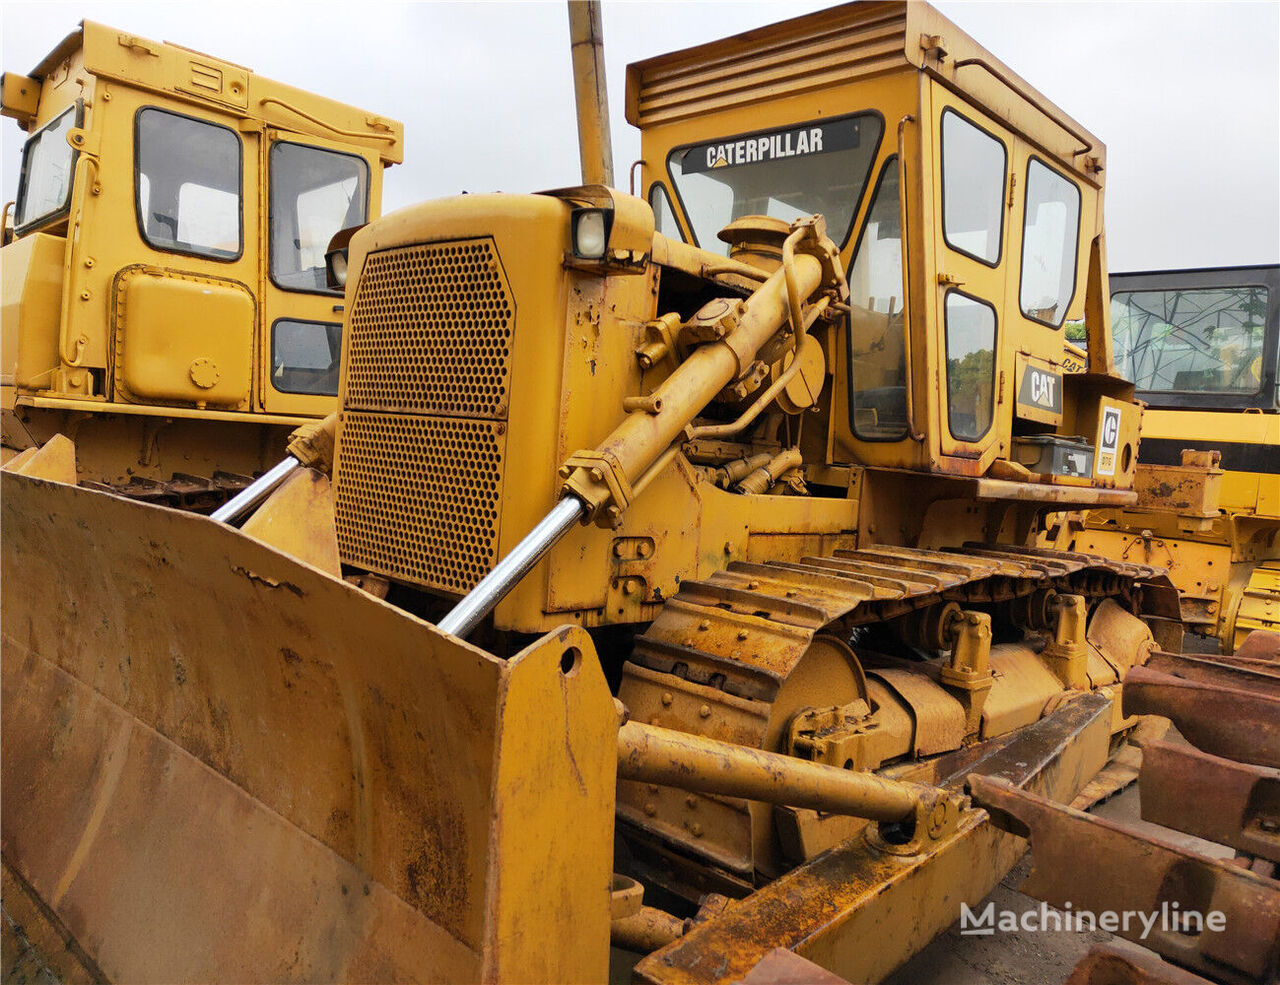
(19, 97)
(184, 338)
(31, 277)
(201, 79)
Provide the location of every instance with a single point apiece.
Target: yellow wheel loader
(1201, 347)
(663, 578)
(164, 303)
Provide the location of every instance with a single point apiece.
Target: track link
(722, 653)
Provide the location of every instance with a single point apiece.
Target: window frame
(942, 186)
(137, 187)
(659, 187)
(946, 359)
(1075, 254)
(271, 354)
(889, 161)
(271, 219)
(63, 210)
(729, 138)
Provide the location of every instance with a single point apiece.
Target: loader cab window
(973, 169)
(788, 173)
(877, 360)
(1050, 237)
(1203, 340)
(305, 356)
(189, 185)
(971, 344)
(315, 193)
(48, 162)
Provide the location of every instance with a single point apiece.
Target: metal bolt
(653, 788)
(704, 625)
(705, 711)
(645, 549)
(742, 634)
(1269, 824)
(667, 698)
(85, 295)
(597, 475)
(650, 809)
(691, 800)
(696, 828)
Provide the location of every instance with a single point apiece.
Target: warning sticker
(1108, 440)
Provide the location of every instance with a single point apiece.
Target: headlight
(335, 269)
(591, 232)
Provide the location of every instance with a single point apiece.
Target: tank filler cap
(756, 240)
(204, 373)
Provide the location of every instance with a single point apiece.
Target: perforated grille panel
(431, 331)
(417, 497)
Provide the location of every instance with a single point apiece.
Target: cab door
(971, 186)
(313, 189)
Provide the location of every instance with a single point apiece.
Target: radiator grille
(418, 497)
(431, 331)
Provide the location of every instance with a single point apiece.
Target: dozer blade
(220, 763)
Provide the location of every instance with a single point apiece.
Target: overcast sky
(1186, 96)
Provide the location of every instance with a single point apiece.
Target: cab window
(1050, 235)
(823, 166)
(189, 185)
(877, 363)
(315, 193)
(973, 170)
(44, 190)
(971, 344)
(305, 356)
(1197, 340)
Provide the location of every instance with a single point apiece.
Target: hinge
(1013, 183)
(137, 44)
(950, 280)
(934, 43)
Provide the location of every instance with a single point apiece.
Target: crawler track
(733, 656)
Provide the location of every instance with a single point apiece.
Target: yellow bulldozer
(1201, 347)
(164, 303)
(663, 579)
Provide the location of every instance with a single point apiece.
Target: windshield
(786, 173)
(1201, 340)
(47, 162)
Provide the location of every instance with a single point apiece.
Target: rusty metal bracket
(1235, 722)
(1212, 798)
(1106, 964)
(1239, 912)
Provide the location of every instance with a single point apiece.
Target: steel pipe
(252, 496)
(493, 588)
(676, 759)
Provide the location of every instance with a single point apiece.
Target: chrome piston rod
(493, 588)
(252, 496)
